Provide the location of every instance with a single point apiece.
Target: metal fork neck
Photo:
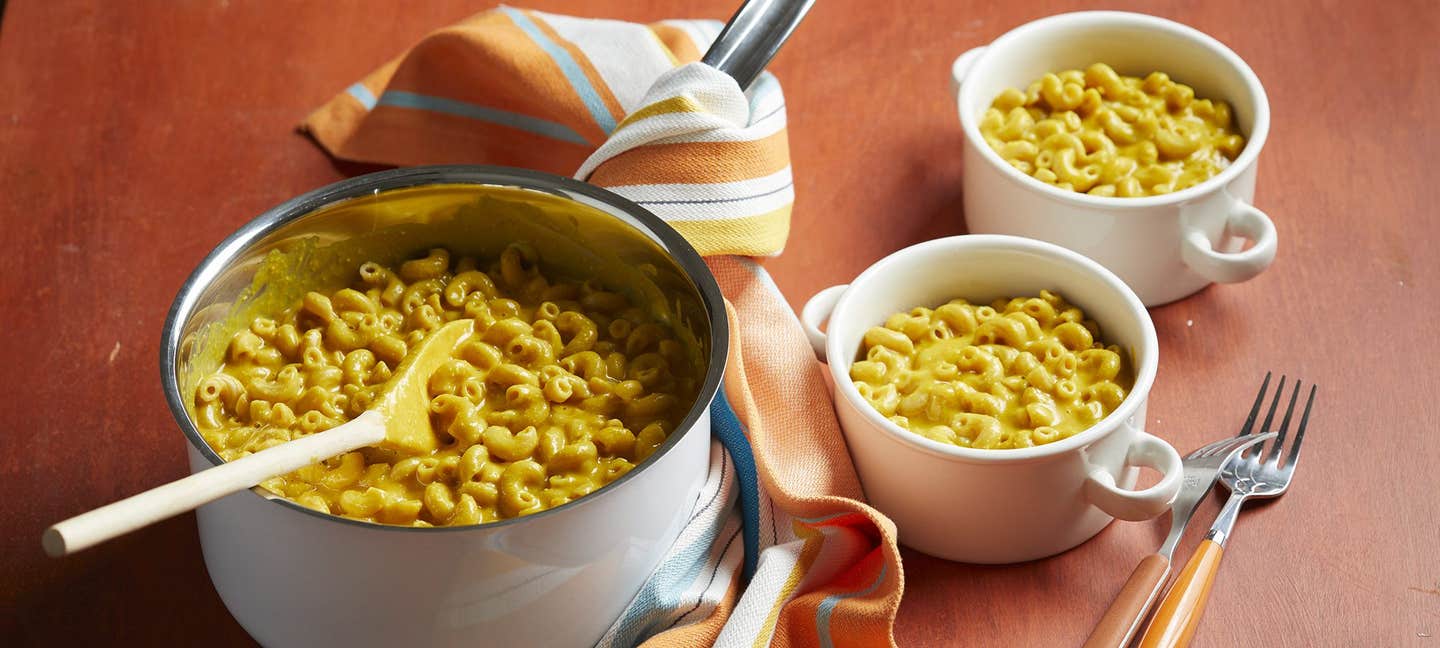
(1225, 521)
(1168, 548)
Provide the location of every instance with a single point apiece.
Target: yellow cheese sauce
(565, 387)
(1017, 373)
(1097, 132)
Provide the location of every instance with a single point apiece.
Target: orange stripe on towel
(611, 103)
(677, 42)
(695, 162)
(515, 75)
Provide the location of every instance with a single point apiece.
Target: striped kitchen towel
(541, 91)
(781, 549)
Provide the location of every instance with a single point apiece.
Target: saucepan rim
(232, 248)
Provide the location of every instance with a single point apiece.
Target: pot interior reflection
(316, 242)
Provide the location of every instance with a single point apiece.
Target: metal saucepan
(292, 576)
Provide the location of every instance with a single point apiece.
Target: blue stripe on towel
(363, 95)
(727, 429)
(568, 67)
(403, 99)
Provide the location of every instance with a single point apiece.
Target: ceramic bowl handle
(1135, 505)
(815, 312)
(961, 67)
(1232, 267)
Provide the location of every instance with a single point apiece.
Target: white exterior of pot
(293, 577)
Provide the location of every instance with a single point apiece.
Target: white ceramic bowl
(996, 506)
(1165, 247)
(295, 577)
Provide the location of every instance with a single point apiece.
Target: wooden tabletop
(135, 135)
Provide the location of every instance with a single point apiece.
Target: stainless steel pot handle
(753, 36)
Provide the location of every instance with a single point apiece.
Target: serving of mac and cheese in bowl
(992, 392)
(572, 423)
(1128, 138)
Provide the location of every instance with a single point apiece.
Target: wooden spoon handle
(1175, 621)
(1127, 612)
(88, 529)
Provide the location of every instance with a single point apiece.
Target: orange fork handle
(1178, 615)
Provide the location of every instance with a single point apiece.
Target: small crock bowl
(996, 506)
(295, 577)
(1165, 247)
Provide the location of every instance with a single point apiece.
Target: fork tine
(1300, 432)
(1255, 409)
(1270, 415)
(1211, 448)
(1274, 454)
(1221, 447)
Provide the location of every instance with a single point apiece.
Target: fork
(1201, 469)
(1253, 474)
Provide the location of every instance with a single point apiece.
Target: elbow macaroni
(1108, 135)
(566, 387)
(1018, 373)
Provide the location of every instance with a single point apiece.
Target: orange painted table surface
(135, 135)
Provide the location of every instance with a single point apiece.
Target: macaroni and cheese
(1097, 132)
(564, 387)
(1018, 373)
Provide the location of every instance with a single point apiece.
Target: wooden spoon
(399, 420)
